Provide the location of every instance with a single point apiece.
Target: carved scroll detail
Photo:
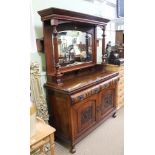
(37, 92)
(86, 115)
(108, 100)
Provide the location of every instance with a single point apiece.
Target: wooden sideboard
(81, 94)
(120, 87)
(81, 104)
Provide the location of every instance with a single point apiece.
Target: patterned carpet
(107, 139)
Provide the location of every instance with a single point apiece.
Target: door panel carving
(84, 114)
(106, 102)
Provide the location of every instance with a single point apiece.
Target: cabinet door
(83, 115)
(107, 103)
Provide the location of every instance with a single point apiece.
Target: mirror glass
(74, 47)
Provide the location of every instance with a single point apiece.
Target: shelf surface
(84, 81)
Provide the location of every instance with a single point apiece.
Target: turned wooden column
(103, 46)
(58, 74)
(87, 44)
(55, 42)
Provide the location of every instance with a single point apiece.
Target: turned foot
(114, 115)
(72, 150)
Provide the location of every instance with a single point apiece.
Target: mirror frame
(87, 28)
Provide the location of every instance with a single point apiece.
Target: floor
(107, 139)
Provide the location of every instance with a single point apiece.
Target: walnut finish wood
(75, 120)
(80, 97)
(55, 20)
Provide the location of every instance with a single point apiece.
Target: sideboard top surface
(85, 81)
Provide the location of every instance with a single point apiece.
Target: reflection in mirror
(75, 47)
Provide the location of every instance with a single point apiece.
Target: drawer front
(75, 98)
(78, 97)
(121, 82)
(120, 85)
(40, 143)
(120, 102)
(120, 89)
(120, 94)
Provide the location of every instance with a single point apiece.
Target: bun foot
(114, 115)
(73, 150)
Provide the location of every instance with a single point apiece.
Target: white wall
(97, 8)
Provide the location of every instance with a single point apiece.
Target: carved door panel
(83, 114)
(106, 102)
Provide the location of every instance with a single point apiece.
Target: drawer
(40, 143)
(93, 90)
(120, 89)
(85, 94)
(121, 79)
(120, 104)
(121, 84)
(121, 94)
(120, 100)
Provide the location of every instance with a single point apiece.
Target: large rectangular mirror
(74, 47)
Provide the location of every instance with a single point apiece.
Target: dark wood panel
(83, 114)
(59, 116)
(107, 102)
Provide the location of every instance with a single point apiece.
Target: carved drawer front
(85, 94)
(93, 90)
(83, 114)
(106, 102)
